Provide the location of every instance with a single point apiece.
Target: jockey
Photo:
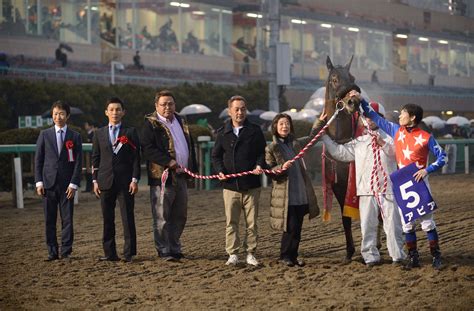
(412, 145)
(361, 150)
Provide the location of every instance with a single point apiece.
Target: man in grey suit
(58, 164)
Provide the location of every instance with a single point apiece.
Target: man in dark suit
(58, 164)
(168, 147)
(116, 171)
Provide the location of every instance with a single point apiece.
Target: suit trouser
(170, 217)
(290, 240)
(234, 203)
(108, 199)
(55, 198)
(369, 221)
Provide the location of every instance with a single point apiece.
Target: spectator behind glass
(137, 61)
(4, 65)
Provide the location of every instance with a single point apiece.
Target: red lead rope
(164, 176)
(375, 184)
(276, 172)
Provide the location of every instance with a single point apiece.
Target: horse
(338, 84)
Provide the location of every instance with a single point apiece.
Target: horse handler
(362, 151)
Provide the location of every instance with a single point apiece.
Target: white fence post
(18, 183)
(466, 158)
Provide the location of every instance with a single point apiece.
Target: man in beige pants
(240, 146)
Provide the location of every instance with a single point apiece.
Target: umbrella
(268, 115)
(256, 112)
(294, 115)
(472, 121)
(309, 114)
(435, 122)
(224, 114)
(194, 109)
(316, 101)
(74, 111)
(254, 116)
(67, 47)
(458, 120)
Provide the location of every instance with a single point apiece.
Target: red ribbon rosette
(124, 140)
(69, 146)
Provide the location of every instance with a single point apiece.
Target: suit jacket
(158, 148)
(120, 167)
(51, 167)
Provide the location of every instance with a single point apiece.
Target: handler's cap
(378, 108)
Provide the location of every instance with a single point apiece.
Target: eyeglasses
(168, 104)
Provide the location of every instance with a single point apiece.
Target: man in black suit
(116, 171)
(167, 146)
(58, 164)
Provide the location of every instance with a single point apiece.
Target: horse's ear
(329, 64)
(348, 65)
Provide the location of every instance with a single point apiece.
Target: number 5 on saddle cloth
(413, 198)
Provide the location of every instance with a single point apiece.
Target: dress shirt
(180, 143)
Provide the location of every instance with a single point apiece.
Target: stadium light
(443, 42)
(180, 4)
(253, 15)
(353, 29)
(423, 39)
(298, 21)
(401, 36)
(326, 25)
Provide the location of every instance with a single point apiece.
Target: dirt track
(202, 281)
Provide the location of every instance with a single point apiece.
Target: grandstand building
(420, 51)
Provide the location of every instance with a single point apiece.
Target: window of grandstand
(174, 27)
(244, 35)
(344, 44)
(439, 58)
(419, 54)
(458, 56)
(374, 49)
(311, 41)
(52, 19)
(471, 60)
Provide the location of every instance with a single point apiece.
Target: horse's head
(340, 82)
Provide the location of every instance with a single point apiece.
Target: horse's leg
(339, 190)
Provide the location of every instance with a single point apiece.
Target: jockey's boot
(413, 257)
(436, 253)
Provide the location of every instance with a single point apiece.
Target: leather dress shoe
(109, 258)
(127, 259)
(287, 262)
(178, 256)
(52, 258)
(300, 262)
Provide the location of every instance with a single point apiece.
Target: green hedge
(22, 97)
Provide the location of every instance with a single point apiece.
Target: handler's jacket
(236, 154)
(158, 148)
(360, 150)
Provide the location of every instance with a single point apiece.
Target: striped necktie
(60, 141)
(113, 134)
